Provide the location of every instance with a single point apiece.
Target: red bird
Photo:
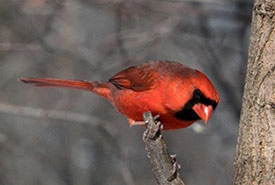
(179, 94)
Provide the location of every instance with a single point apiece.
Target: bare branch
(164, 166)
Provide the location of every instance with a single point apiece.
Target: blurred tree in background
(55, 136)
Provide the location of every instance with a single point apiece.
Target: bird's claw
(153, 130)
(159, 125)
(157, 130)
(156, 117)
(175, 169)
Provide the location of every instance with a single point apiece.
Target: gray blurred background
(69, 137)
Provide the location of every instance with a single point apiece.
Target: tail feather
(96, 87)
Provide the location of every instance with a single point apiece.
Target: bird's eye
(197, 93)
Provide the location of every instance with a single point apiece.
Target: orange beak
(203, 111)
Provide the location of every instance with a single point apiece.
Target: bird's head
(195, 97)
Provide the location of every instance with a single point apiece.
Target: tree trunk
(255, 155)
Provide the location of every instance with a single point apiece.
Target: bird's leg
(133, 122)
(175, 169)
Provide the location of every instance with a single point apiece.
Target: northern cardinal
(178, 94)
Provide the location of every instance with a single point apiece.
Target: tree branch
(163, 165)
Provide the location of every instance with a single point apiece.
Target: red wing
(137, 79)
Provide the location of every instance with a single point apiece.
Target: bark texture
(255, 155)
(164, 166)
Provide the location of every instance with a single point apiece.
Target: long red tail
(96, 87)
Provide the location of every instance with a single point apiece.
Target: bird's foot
(153, 126)
(175, 169)
(157, 129)
(156, 117)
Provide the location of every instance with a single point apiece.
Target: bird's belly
(133, 104)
